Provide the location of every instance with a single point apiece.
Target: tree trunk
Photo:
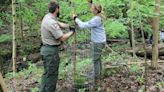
(13, 33)
(156, 34)
(21, 21)
(132, 33)
(2, 84)
(125, 15)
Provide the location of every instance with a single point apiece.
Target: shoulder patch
(56, 26)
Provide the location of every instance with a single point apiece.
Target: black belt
(51, 45)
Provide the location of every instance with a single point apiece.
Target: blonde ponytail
(100, 11)
(102, 15)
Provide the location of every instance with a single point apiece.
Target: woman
(98, 36)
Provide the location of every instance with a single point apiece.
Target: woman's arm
(94, 22)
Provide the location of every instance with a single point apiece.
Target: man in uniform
(52, 36)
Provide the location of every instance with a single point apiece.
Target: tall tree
(156, 35)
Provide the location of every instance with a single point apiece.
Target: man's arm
(58, 34)
(63, 25)
(66, 36)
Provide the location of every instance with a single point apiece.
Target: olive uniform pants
(50, 58)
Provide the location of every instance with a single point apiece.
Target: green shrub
(5, 38)
(5, 52)
(1, 23)
(140, 79)
(135, 68)
(115, 29)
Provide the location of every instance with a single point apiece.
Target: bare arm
(66, 36)
(58, 34)
(63, 25)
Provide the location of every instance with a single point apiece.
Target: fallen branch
(140, 51)
(106, 45)
(143, 62)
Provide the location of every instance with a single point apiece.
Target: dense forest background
(119, 74)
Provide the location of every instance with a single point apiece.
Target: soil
(121, 81)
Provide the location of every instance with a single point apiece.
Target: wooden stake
(74, 47)
(74, 58)
(2, 83)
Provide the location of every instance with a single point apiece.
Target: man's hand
(72, 29)
(90, 1)
(67, 35)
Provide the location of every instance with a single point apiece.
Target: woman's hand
(74, 16)
(90, 1)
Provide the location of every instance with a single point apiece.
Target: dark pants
(97, 52)
(50, 58)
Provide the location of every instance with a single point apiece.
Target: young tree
(2, 84)
(13, 33)
(155, 34)
(132, 33)
(21, 20)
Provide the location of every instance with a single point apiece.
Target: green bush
(1, 23)
(116, 29)
(4, 52)
(5, 38)
(29, 16)
(134, 68)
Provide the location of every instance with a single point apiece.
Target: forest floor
(120, 80)
(120, 74)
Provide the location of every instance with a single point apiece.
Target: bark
(156, 34)
(13, 33)
(2, 84)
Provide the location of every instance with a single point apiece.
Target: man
(52, 37)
